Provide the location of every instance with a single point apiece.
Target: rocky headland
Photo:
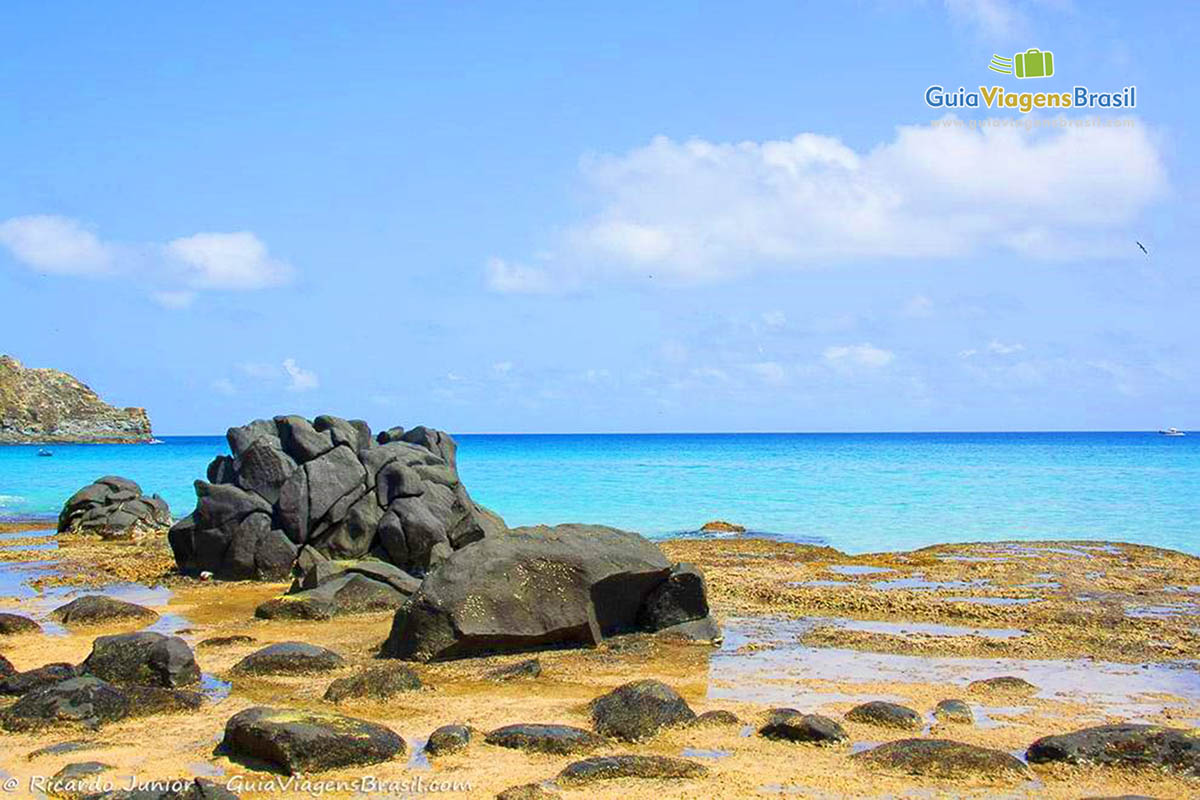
(39, 405)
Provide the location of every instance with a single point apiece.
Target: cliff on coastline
(46, 405)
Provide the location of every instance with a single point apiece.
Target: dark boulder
(114, 508)
(289, 658)
(682, 597)
(96, 609)
(225, 641)
(1125, 745)
(143, 659)
(697, 631)
(955, 711)
(448, 739)
(86, 701)
(14, 624)
(375, 683)
(639, 710)
(308, 741)
(541, 587)
(789, 725)
(603, 768)
(528, 668)
(332, 588)
(562, 740)
(888, 715)
(717, 717)
(328, 486)
(21, 683)
(942, 758)
(296, 607)
(1002, 685)
(148, 701)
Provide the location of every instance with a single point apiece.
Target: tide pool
(856, 492)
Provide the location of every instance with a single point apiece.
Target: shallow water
(858, 492)
(927, 628)
(776, 675)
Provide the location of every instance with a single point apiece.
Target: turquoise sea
(856, 492)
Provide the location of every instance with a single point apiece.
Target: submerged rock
(86, 701)
(639, 710)
(308, 741)
(96, 609)
(448, 739)
(888, 715)
(942, 758)
(567, 586)
(328, 487)
(21, 683)
(144, 658)
(1125, 745)
(15, 624)
(603, 768)
(114, 508)
(289, 658)
(1004, 684)
(529, 668)
(955, 711)
(788, 724)
(563, 740)
(376, 683)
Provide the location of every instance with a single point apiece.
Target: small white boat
(1173, 432)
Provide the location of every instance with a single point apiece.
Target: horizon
(635, 219)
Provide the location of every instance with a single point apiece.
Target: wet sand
(1107, 638)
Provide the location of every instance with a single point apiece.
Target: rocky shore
(39, 405)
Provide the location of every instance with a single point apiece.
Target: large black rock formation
(329, 488)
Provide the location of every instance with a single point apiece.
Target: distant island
(47, 405)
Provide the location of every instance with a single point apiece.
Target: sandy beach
(1105, 633)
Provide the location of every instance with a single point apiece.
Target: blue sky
(607, 217)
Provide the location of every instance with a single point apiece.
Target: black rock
(790, 725)
(296, 607)
(74, 780)
(448, 739)
(1125, 745)
(888, 715)
(263, 468)
(700, 631)
(602, 768)
(528, 668)
(114, 508)
(13, 624)
(289, 658)
(225, 641)
(717, 717)
(639, 710)
(147, 701)
(942, 758)
(376, 683)
(6, 667)
(96, 609)
(21, 683)
(954, 711)
(86, 701)
(540, 587)
(308, 741)
(682, 597)
(1004, 684)
(144, 659)
(563, 740)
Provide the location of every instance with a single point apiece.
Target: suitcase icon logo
(1033, 63)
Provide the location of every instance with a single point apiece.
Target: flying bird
(1144, 250)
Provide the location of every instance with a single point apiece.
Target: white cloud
(858, 355)
(174, 271)
(224, 386)
(227, 261)
(1002, 349)
(300, 380)
(259, 370)
(55, 244)
(918, 306)
(771, 372)
(517, 278)
(774, 319)
(700, 211)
